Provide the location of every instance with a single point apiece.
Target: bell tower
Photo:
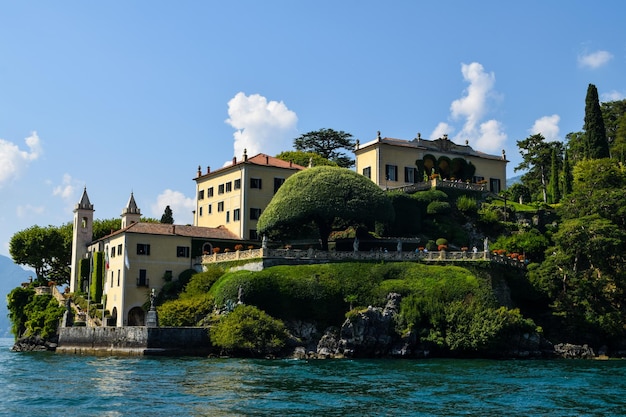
(81, 237)
(131, 213)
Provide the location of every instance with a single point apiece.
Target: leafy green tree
(536, 158)
(595, 132)
(167, 217)
(598, 188)
(613, 113)
(32, 314)
(519, 192)
(45, 249)
(618, 145)
(97, 277)
(102, 228)
(327, 143)
(304, 158)
(328, 197)
(576, 146)
(249, 330)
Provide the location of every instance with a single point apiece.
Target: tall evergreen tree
(555, 189)
(597, 146)
(167, 217)
(567, 175)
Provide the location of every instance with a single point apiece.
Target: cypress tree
(595, 132)
(167, 217)
(555, 189)
(567, 175)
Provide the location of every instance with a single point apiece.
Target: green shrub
(250, 330)
(438, 207)
(466, 204)
(185, 311)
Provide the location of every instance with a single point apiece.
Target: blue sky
(128, 96)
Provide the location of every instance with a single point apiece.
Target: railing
(438, 182)
(143, 282)
(434, 256)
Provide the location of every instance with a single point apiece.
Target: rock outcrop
(34, 344)
(569, 351)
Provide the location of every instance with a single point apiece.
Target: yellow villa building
(394, 163)
(138, 258)
(234, 196)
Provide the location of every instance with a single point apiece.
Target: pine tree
(597, 146)
(167, 217)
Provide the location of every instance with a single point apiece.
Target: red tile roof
(259, 159)
(219, 232)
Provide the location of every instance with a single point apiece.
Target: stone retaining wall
(134, 341)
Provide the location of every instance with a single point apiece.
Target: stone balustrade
(313, 254)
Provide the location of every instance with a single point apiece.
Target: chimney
(173, 229)
(290, 164)
(208, 169)
(199, 171)
(267, 160)
(245, 154)
(234, 160)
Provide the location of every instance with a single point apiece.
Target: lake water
(48, 384)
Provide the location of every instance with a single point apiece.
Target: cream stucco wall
(244, 199)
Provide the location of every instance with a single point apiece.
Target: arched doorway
(113, 320)
(136, 317)
(207, 249)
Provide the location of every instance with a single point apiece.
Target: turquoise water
(44, 384)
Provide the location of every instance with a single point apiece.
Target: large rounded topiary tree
(325, 196)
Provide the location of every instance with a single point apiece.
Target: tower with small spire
(81, 237)
(131, 213)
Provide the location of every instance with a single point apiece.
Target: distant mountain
(11, 276)
(513, 180)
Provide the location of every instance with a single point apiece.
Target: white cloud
(441, 129)
(491, 137)
(262, 126)
(181, 206)
(594, 60)
(13, 160)
(28, 210)
(67, 188)
(612, 96)
(472, 108)
(548, 127)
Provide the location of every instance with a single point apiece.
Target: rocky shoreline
(370, 333)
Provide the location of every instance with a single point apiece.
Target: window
(182, 251)
(277, 183)
(391, 172)
(237, 184)
(255, 213)
(229, 187)
(113, 252)
(220, 189)
(142, 280)
(236, 215)
(228, 217)
(118, 277)
(85, 220)
(254, 235)
(209, 209)
(201, 195)
(220, 206)
(200, 213)
(112, 277)
(494, 185)
(478, 180)
(255, 183)
(209, 192)
(367, 172)
(143, 249)
(119, 249)
(410, 175)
